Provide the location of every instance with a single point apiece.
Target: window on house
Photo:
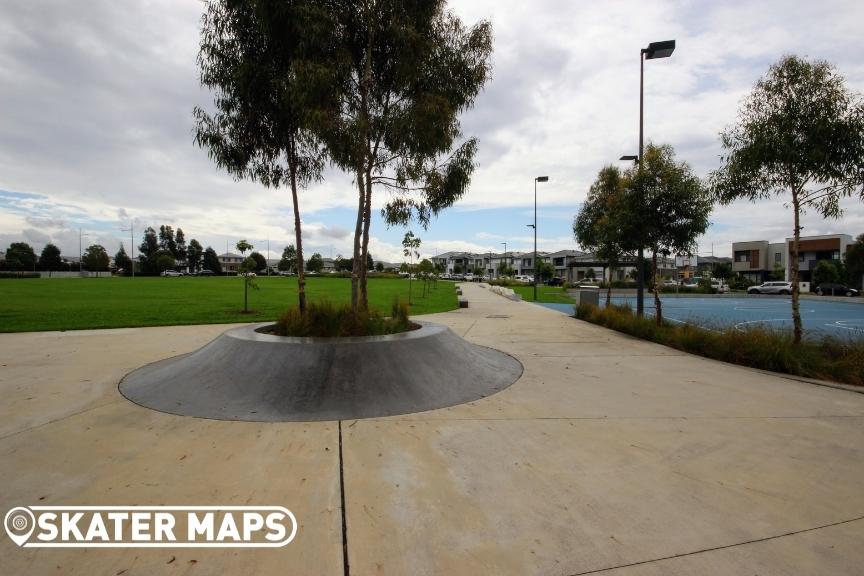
(777, 257)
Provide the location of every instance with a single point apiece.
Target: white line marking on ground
(739, 325)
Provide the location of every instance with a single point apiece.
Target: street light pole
(654, 50)
(505, 255)
(131, 244)
(536, 180)
(81, 251)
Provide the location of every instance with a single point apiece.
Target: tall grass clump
(824, 358)
(326, 320)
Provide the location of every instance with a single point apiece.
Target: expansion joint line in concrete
(346, 570)
(695, 552)
(60, 419)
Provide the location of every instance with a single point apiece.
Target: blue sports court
(822, 317)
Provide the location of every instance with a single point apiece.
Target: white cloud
(97, 101)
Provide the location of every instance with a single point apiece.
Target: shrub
(325, 320)
(824, 358)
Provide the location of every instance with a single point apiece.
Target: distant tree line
(167, 250)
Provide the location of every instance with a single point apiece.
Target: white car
(523, 278)
(784, 288)
(469, 277)
(171, 273)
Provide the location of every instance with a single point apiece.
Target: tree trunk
(657, 304)
(359, 299)
(364, 256)
(793, 264)
(358, 233)
(609, 286)
(298, 237)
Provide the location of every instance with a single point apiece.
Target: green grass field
(82, 303)
(554, 294)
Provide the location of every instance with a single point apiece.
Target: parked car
(669, 282)
(444, 276)
(831, 289)
(286, 273)
(719, 286)
(523, 278)
(469, 277)
(170, 274)
(555, 281)
(784, 288)
(205, 273)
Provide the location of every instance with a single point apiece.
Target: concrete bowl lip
(250, 333)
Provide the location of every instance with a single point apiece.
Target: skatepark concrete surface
(608, 456)
(286, 379)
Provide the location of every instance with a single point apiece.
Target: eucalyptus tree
(147, 252)
(665, 209)
(96, 259)
(122, 261)
(194, 254)
(182, 251)
(799, 135)
(411, 250)
(288, 263)
(50, 259)
(263, 61)
(243, 246)
(406, 72)
(596, 227)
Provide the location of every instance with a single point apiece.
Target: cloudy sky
(96, 102)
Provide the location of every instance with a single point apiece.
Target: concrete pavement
(610, 455)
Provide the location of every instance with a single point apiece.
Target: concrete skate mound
(248, 375)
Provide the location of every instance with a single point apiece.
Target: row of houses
(757, 260)
(571, 265)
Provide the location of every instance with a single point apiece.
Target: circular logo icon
(19, 523)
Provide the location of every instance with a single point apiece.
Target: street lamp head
(632, 157)
(530, 225)
(662, 49)
(542, 179)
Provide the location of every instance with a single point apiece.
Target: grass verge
(553, 294)
(88, 303)
(825, 359)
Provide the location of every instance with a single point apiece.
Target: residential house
(230, 262)
(759, 260)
